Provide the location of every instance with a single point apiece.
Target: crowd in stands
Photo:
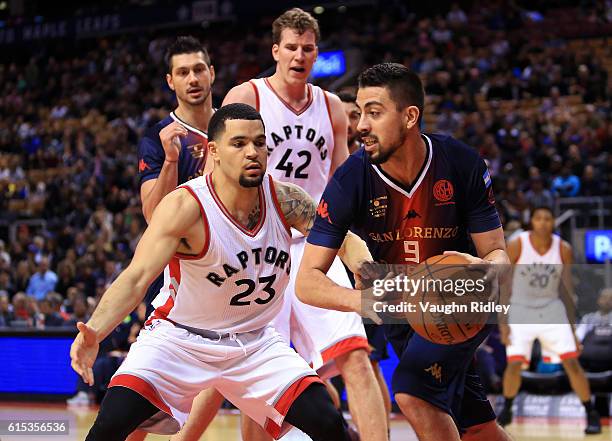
(536, 108)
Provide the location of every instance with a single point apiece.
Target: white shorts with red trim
(257, 371)
(549, 325)
(319, 335)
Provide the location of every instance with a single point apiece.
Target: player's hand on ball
(372, 296)
(492, 271)
(170, 137)
(83, 352)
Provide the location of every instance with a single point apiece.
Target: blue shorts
(443, 375)
(378, 342)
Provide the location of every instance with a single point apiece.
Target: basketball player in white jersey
(172, 152)
(541, 285)
(306, 130)
(226, 236)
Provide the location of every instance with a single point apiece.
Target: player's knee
(514, 367)
(107, 428)
(411, 407)
(354, 364)
(314, 413)
(572, 366)
(489, 431)
(332, 426)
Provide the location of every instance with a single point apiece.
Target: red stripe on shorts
(286, 400)
(517, 358)
(568, 355)
(345, 346)
(141, 387)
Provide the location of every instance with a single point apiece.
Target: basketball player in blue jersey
(174, 151)
(411, 196)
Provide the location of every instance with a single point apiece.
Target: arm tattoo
(297, 206)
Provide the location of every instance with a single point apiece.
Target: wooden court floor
(226, 426)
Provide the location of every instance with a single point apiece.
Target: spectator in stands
(21, 314)
(6, 285)
(566, 184)
(80, 311)
(591, 184)
(68, 305)
(595, 333)
(456, 16)
(47, 317)
(6, 315)
(66, 275)
(56, 306)
(42, 281)
(22, 276)
(4, 255)
(537, 195)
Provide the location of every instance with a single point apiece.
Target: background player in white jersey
(172, 152)
(306, 131)
(541, 286)
(193, 342)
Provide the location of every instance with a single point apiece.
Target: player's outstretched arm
(158, 244)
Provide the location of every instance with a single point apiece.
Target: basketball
(450, 300)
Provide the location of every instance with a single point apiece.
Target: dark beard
(250, 182)
(384, 156)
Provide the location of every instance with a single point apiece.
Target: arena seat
(558, 383)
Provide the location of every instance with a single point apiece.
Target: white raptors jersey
(537, 276)
(237, 282)
(300, 142)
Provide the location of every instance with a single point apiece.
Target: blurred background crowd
(512, 82)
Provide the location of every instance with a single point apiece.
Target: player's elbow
(303, 285)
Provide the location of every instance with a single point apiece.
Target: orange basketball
(450, 301)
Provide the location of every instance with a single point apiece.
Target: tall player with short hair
(306, 131)
(229, 259)
(542, 300)
(400, 194)
(172, 152)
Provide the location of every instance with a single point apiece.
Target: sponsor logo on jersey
(412, 214)
(415, 233)
(378, 206)
(197, 150)
(322, 211)
(443, 191)
(142, 166)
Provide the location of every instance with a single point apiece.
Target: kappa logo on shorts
(436, 371)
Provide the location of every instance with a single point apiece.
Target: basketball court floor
(226, 427)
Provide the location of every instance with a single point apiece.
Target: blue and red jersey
(451, 197)
(192, 157)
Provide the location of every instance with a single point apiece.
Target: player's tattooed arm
(300, 209)
(296, 205)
